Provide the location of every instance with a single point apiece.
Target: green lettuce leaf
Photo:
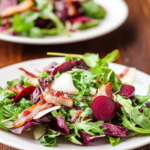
(87, 127)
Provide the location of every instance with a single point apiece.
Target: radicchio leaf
(43, 83)
(20, 129)
(114, 130)
(51, 65)
(36, 95)
(59, 125)
(24, 93)
(80, 19)
(44, 119)
(67, 66)
(61, 10)
(126, 90)
(85, 138)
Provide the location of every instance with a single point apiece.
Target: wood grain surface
(132, 39)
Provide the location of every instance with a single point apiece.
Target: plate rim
(46, 41)
(60, 59)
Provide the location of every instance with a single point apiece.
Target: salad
(80, 99)
(38, 18)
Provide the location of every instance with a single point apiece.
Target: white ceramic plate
(26, 141)
(117, 12)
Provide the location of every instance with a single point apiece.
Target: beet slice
(126, 90)
(104, 108)
(67, 66)
(24, 93)
(63, 67)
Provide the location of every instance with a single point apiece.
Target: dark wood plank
(132, 39)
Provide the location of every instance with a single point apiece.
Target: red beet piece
(104, 108)
(63, 67)
(126, 90)
(67, 66)
(24, 93)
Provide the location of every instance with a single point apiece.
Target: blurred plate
(117, 12)
(26, 140)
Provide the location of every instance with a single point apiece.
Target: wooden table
(132, 39)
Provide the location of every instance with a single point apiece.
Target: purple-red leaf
(44, 119)
(67, 66)
(59, 125)
(36, 95)
(43, 83)
(114, 130)
(24, 93)
(85, 138)
(80, 19)
(51, 65)
(126, 90)
(20, 129)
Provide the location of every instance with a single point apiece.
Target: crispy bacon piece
(57, 98)
(21, 7)
(16, 88)
(28, 73)
(29, 113)
(75, 116)
(124, 72)
(105, 90)
(71, 8)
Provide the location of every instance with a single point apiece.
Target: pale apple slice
(44, 112)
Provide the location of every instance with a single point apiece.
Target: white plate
(26, 140)
(117, 12)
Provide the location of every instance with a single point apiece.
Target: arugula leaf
(11, 112)
(35, 32)
(111, 57)
(1, 124)
(87, 25)
(72, 138)
(4, 96)
(107, 75)
(131, 125)
(87, 127)
(50, 138)
(82, 80)
(93, 10)
(141, 99)
(86, 112)
(55, 114)
(114, 140)
(92, 60)
(52, 31)
(133, 112)
(13, 82)
(43, 74)
(46, 9)
(64, 111)
(19, 24)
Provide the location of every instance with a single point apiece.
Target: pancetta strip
(29, 113)
(57, 98)
(123, 73)
(105, 90)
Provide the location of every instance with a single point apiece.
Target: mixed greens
(38, 18)
(79, 100)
